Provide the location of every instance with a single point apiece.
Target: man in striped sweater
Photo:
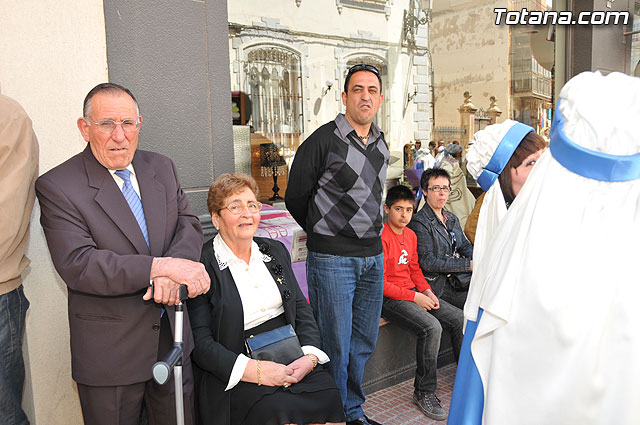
(335, 193)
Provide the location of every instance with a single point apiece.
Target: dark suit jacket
(98, 249)
(217, 320)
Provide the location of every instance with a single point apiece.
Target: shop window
(273, 86)
(274, 90)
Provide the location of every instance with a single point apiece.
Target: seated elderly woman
(444, 253)
(253, 291)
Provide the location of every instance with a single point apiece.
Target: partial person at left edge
(118, 225)
(18, 173)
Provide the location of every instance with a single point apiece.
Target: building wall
(164, 50)
(470, 53)
(600, 47)
(321, 17)
(53, 52)
(325, 39)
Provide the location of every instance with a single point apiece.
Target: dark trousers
(121, 405)
(453, 297)
(427, 325)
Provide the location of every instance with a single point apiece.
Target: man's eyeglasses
(236, 208)
(363, 67)
(108, 126)
(445, 189)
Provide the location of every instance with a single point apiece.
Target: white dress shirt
(120, 181)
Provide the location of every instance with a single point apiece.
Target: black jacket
(436, 250)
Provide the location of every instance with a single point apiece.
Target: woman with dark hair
(254, 291)
(513, 173)
(520, 165)
(444, 253)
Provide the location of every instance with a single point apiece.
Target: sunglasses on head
(363, 67)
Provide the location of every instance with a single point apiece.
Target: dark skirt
(315, 399)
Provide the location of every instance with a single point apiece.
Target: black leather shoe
(363, 421)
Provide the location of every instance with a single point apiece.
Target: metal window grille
(273, 83)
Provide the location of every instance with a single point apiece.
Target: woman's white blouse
(261, 300)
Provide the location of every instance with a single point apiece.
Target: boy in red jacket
(410, 303)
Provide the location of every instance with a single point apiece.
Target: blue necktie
(134, 201)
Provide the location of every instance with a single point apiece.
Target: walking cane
(161, 370)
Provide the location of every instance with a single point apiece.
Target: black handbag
(459, 281)
(279, 345)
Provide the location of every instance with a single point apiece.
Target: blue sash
(591, 164)
(503, 153)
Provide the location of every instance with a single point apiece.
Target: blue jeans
(427, 325)
(346, 296)
(13, 309)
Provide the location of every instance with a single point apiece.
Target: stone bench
(394, 359)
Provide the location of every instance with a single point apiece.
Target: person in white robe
(501, 158)
(461, 199)
(557, 325)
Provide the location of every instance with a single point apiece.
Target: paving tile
(394, 405)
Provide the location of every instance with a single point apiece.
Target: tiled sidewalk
(394, 406)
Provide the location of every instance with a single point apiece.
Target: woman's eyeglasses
(445, 189)
(236, 208)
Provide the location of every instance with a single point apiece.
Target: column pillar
(467, 120)
(494, 112)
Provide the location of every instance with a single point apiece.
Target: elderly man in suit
(123, 238)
